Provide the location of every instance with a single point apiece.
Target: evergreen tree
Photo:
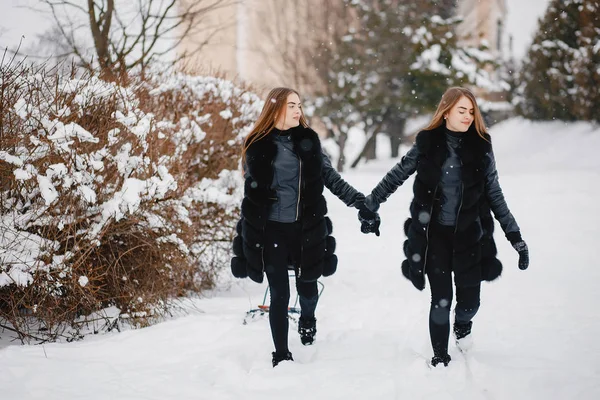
(586, 63)
(561, 74)
(395, 61)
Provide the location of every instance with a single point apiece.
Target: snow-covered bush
(114, 194)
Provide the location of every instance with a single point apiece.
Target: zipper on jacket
(427, 229)
(462, 194)
(298, 216)
(299, 188)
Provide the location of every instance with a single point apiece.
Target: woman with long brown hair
(450, 230)
(283, 221)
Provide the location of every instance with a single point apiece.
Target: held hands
(521, 247)
(369, 220)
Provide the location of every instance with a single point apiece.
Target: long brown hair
(274, 108)
(449, 99)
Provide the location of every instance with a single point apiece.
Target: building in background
(263, 42)
(483, 23)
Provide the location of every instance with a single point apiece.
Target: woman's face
(460, 117)
(290, 117)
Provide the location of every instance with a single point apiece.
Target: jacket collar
(433, 144)
(261, 154)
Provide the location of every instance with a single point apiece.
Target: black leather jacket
(408, 165)
(287, 181)
(451, 185)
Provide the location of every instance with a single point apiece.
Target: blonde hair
(449, 99)
(273, 110)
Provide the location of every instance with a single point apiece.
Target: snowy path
(536, 336)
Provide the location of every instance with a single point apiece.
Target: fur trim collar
(433, 144)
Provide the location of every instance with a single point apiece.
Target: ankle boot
(462, 330)
(307, 328)
(279, 357)
(441, 359)
(464, 339)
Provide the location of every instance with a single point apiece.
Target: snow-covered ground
(536, 336)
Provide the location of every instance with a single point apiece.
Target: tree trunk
(371, 150)
(100, 29)
(396, 137)
(369, 147)
(342, 145)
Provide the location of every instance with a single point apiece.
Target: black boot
(277, 357)
(464, 339)
(307, 328)
(444, 359)
(462, 330)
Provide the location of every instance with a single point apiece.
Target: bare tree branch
(127, 35)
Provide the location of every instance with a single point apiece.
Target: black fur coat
(318, 246)
(474, 259)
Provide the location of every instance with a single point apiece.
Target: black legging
(282, 249)
(439, 273)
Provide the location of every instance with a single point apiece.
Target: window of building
(499, 36)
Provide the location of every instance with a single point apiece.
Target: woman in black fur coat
(450, 229)
(283, 223)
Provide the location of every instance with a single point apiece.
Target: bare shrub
(115, 196)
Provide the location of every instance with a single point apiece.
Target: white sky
(18, 19)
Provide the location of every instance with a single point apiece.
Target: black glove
(521, 247)
(369, 220)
